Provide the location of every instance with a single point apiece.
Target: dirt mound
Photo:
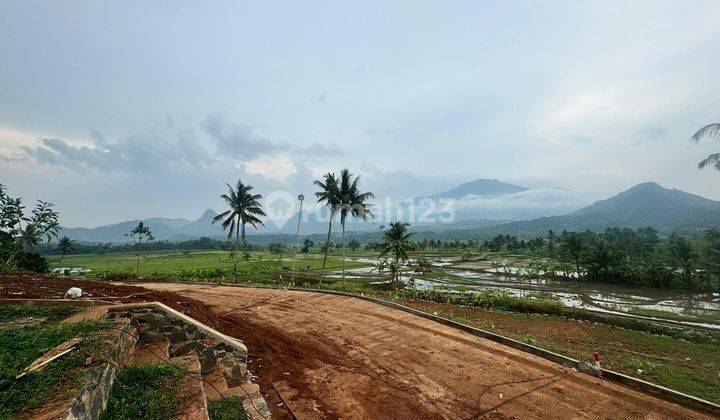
(28, 285)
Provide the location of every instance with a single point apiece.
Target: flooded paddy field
(453, 275)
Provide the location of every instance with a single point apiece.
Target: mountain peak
(208, 214)
(487, 187)
(647, 186)
(647, 200)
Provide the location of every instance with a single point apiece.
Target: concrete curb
(230, 341)
(638, 384)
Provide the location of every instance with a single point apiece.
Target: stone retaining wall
(92, 398)
(158, 323)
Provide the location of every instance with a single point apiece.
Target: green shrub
(145, 392)
(229, 408)
(32, 262)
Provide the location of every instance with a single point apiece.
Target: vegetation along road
(331, 356)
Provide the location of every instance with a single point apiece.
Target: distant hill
(173, 223)
(481, 187)
(203, 226)
(490, 199)
(162, 229)
(116, 232)
(646, 204)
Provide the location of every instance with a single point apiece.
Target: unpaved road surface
(325, 356)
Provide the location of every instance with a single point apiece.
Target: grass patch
(505, 302)
(145, 392)
(676, 377)
(693, 316)
(52, 313)
(229, 408)
(20, 346)
(194, 264)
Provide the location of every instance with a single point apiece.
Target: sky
(119, 110)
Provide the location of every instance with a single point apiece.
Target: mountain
(173, 223)
(116, 232)
(646, 204)
(651, 201)
(315, 223)
(162, 229)
(482, 187)
(490, 199)
(203, 226)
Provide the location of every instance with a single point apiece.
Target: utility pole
(297, 237)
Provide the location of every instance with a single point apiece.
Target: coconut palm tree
(572, 247)
(397, 243)
(329, 194)
(710, 130)
(684, 257)
(245, 209)
(65, 246)
(353, 203)
(601, 259)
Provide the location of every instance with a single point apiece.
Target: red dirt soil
(26, 285)
(326, 356)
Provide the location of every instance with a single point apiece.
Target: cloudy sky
(116, 110)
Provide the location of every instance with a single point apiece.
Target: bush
(32, 262)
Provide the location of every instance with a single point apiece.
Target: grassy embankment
(21, 345)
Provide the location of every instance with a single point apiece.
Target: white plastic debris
(73, 293)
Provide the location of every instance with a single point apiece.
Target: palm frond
(712, 160)
(220, 216)
(710, 130)
(232, 227)
(228, 221)
(244, 207)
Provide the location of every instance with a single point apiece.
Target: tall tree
(245, 209)
(601, 259)
(710, 130)
(353, 203)
(65, 246)
(712, 252)
(551, 239)
(684, 258)
(330, 195)
(25, 230)
(397, 243)
(139, 234)
(572, 247)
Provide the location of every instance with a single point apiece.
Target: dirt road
(332, 356)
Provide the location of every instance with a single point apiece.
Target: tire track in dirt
(334, 356)
(352, 358)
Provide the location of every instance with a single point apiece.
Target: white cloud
(277, 168)
(522, 205)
